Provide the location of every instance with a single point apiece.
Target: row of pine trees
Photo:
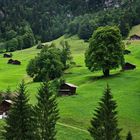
(27, 122)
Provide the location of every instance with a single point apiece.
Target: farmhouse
(129, 66)
(135, 37)
(67, 89)
(5, 107)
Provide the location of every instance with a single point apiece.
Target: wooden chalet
(135, 37)
(67, 89)
(129, 66)
(5, 106)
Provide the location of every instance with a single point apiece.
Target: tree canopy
(47, 65)
(105, 50)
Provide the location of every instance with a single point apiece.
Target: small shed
(67, 89)
(5, 106)
(135, 37)
(5, 55)
(129, 66)
(126, 52)
(14, 62)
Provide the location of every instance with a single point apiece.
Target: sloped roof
(8, 101)
(134, 35)
(71, 85)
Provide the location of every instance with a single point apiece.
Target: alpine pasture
(76, 111)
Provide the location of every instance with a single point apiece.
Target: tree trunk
(106, 72)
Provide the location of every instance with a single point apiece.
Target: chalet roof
(8, 101)
(135, 35)
(71, 85)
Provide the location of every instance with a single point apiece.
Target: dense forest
(23, 23)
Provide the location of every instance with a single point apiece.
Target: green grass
(135, 30)
(76, 111)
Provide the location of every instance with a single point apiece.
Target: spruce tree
(104, 124)
(19, 124)
(46, 112)
(129, 136)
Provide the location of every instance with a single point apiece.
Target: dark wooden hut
(129, 66)
(5, 55)
(14, 62)
(5, 106)
(67, 89)
(10, 61)
(135, 37)
(127, 52)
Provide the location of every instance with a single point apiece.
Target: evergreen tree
(129, 136)
(8, 94)
(46, 112)
(104, 124)
(66, 57)
(19, 124)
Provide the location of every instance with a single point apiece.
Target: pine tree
(104, 125)
(129, 136)
(8, 93)
(19, 124)
(46, 112)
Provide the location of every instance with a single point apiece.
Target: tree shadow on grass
(95, 78)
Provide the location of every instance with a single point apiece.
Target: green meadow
(76, 111)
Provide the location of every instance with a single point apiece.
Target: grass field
(76, 111)
(135, 30)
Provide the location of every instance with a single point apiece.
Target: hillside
(76, 111)
(135, 30)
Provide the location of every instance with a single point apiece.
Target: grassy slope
(77, 110)
(135, 30)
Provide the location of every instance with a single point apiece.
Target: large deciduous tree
(47, 65)
(105, 50)
(104, 124)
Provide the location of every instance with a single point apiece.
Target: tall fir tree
(19, 123)
(129, 136)
(47, 113)
(104, 124)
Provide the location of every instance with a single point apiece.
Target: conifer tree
(129, 136)
(46, 112)
(104, 124)
(19, 125)
(66, 57)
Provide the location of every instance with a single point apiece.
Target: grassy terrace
(76, 111)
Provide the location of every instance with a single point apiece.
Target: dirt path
(73, 127)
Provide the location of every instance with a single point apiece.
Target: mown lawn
(76, 111)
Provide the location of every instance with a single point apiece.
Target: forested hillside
(23, 23)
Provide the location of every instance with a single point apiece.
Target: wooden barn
(5, 106)
(129, 66)
(135, 37)
(67, 89)
(127, 52)
(7, 55)
(14, 62)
